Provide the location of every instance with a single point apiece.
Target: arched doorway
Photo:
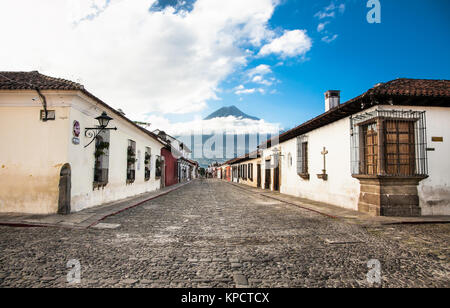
(64, 190)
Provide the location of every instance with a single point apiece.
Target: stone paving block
(275, 246)
(105, 226)
(240, 280)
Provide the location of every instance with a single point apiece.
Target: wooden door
(65, 184)
(258, 176)
(276, 178)
(267, 178)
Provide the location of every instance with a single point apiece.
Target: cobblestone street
(213, 234)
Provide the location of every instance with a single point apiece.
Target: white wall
(342, 189)
(82, 160)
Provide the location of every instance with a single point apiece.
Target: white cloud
(262, 69)
(322, 26)
(329, 12)
(322, 15)
(245, 91)
(138, 60)
(256, 74)
(228, 124)
(329, 39)
(290, 44)
(259, 79)
(240, 91)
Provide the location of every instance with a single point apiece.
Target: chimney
(162, 135)
(332, 99)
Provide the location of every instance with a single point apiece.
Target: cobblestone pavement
(212, 234)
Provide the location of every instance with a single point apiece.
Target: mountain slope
(229, 111)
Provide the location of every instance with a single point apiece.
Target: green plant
(131, 156)
(147, 158)
(131, 152)
(99, 149)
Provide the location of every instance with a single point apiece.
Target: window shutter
(302, 155)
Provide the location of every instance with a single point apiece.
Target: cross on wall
(324, 153)
(324, 175)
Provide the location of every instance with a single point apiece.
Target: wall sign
(76, 132)
(437, 139)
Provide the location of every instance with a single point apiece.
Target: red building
(170, 167)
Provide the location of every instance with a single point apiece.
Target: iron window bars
(389, 143)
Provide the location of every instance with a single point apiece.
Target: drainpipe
(44, 103)
(41, 96)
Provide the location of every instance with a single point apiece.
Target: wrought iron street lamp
(93, 132)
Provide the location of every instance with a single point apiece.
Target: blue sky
(411, 41)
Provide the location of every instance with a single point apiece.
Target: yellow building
(248, 169)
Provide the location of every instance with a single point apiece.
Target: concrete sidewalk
(336, 212)
(85, 218)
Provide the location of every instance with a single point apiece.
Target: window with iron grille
(148, 163)
(158, 166)
(131, 161)
(101, 163)
(302, 157)
(389, 142)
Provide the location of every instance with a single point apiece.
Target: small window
(158, 166)
(51, 115)
(302, 157)
(131, 161)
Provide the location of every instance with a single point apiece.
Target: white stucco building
(44, 164)
(384, 152)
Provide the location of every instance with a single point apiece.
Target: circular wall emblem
(76, 128)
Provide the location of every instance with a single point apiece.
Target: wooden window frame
(131, 167)
(147, 173)
(302, 158)
(382, 160)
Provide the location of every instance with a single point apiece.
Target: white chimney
(332, 99)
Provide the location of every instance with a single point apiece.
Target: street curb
(287, 202)
(343, 218)
(40, 225)
(299, 206)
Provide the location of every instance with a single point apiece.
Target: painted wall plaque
(76, 132)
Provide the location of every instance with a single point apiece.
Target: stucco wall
(82, 160)
(32, 153)
(342, 189)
